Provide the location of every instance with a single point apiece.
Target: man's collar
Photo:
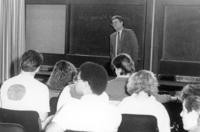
(94, 97)
(120, 31)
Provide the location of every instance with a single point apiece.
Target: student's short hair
(31, 60)
(192, 103)
(190, 89)
(142, 80)
(125, 63)
(191, 95)
(95, 75)
(63, 74)
(120, 18)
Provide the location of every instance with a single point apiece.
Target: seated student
(24, 92)
(191, 107)
(69, 92)
(62, 75)
(91, 112)
(141, 85)
(124, 67)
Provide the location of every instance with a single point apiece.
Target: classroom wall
(167, 32)
(176, 37)
(86, 25)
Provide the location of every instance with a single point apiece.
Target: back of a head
(125, 63)
(142, 80)
(31, 60)
(190, 89)
(96, 76)
(191, 96)
(192, 103)
(63, 73)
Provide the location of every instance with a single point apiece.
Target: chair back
(28, 119)
(138, 123)
(74, 131)
(174, 109)
(11, 127)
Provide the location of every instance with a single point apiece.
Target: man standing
(123, 40)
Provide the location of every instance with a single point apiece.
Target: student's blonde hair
(142, 80)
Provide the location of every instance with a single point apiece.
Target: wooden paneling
(177, 50)
(45, 1)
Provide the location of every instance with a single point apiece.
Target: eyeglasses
(115, 22)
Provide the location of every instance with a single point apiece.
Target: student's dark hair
(191, 95)
(120, 18)
(63, 74)
(125, 63)
(31, 60)
(96, 75)
(190, 89)
(192, 102)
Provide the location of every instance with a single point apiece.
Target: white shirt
(118, 37)
(23, 92)
(120, 33)
(66, 96)
(146, 105)
(90, 113)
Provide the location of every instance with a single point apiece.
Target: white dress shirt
(90, 113)
(146, 105)
(24, 92)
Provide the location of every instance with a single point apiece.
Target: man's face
(79, 85)
(117, 24)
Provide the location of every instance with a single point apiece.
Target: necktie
(119, 35)
(117, 42)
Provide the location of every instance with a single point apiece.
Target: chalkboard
(45, 28)
(90, 26)
(182, 33)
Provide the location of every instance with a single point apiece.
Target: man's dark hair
(125, 63)
(120, 18)
(31, 60)
(192, 102)
(190, 89)
(96, 76)
(191, 95)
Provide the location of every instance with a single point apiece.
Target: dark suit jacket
(128, 44)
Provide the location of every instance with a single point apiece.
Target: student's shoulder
(39, 84)
(156, 103)
(10, 81)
